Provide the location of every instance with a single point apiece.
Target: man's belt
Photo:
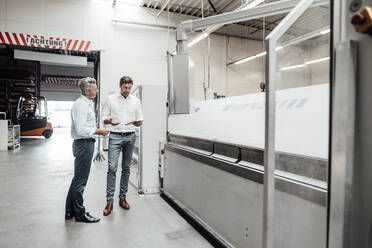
(88, 139)
(123, 134)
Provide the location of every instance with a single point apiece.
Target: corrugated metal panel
(194, 7)
(313, 19)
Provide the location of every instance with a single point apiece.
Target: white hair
(86, 83)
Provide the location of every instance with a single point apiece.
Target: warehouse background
(140, 51)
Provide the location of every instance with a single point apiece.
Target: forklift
(32, 116)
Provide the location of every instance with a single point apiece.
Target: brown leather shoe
(124, 204)
(108, 209)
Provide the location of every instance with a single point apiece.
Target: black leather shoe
(68, 216)
(86, 218)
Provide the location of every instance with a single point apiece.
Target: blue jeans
(82, 150)
(119, 143)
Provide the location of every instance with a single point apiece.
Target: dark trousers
(83, 152)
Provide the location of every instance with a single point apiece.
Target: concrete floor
(34, 182)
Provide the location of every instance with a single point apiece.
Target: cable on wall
(203, 49)
(263, 49)
(168, 30)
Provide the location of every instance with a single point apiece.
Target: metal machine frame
(269, 155)
(349, 216)
(178, 95)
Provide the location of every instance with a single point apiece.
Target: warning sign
(42, 41)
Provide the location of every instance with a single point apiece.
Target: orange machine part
(38, 131)
(362, 21)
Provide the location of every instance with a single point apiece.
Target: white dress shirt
(122, 110)
(83, 119)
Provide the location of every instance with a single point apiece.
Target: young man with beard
(122, 113)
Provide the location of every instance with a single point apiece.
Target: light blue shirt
(83, 119)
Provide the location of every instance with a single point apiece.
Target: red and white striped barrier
(61, 80)
(41, 41)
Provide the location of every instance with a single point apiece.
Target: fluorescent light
(245, 60)
(253, 57)
(260, 54)
(326, 31)
(306, 63)
(317, 60)
(279, 48)
(285, 68)
(292, 67)
(197, 39)
(250, 58)
(294, 41)
(241, 61)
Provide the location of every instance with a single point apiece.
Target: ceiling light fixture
(317, 60)
(292, 67)
(326, 31)
(260, 54)
(245, 60)
(312, 35)
(303, 65)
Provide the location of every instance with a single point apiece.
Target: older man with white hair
(83, 129)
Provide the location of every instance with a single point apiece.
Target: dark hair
(125, 80)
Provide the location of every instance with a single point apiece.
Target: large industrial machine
(251, 170)
(214, 166)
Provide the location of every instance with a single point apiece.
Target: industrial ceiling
(314, 19)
